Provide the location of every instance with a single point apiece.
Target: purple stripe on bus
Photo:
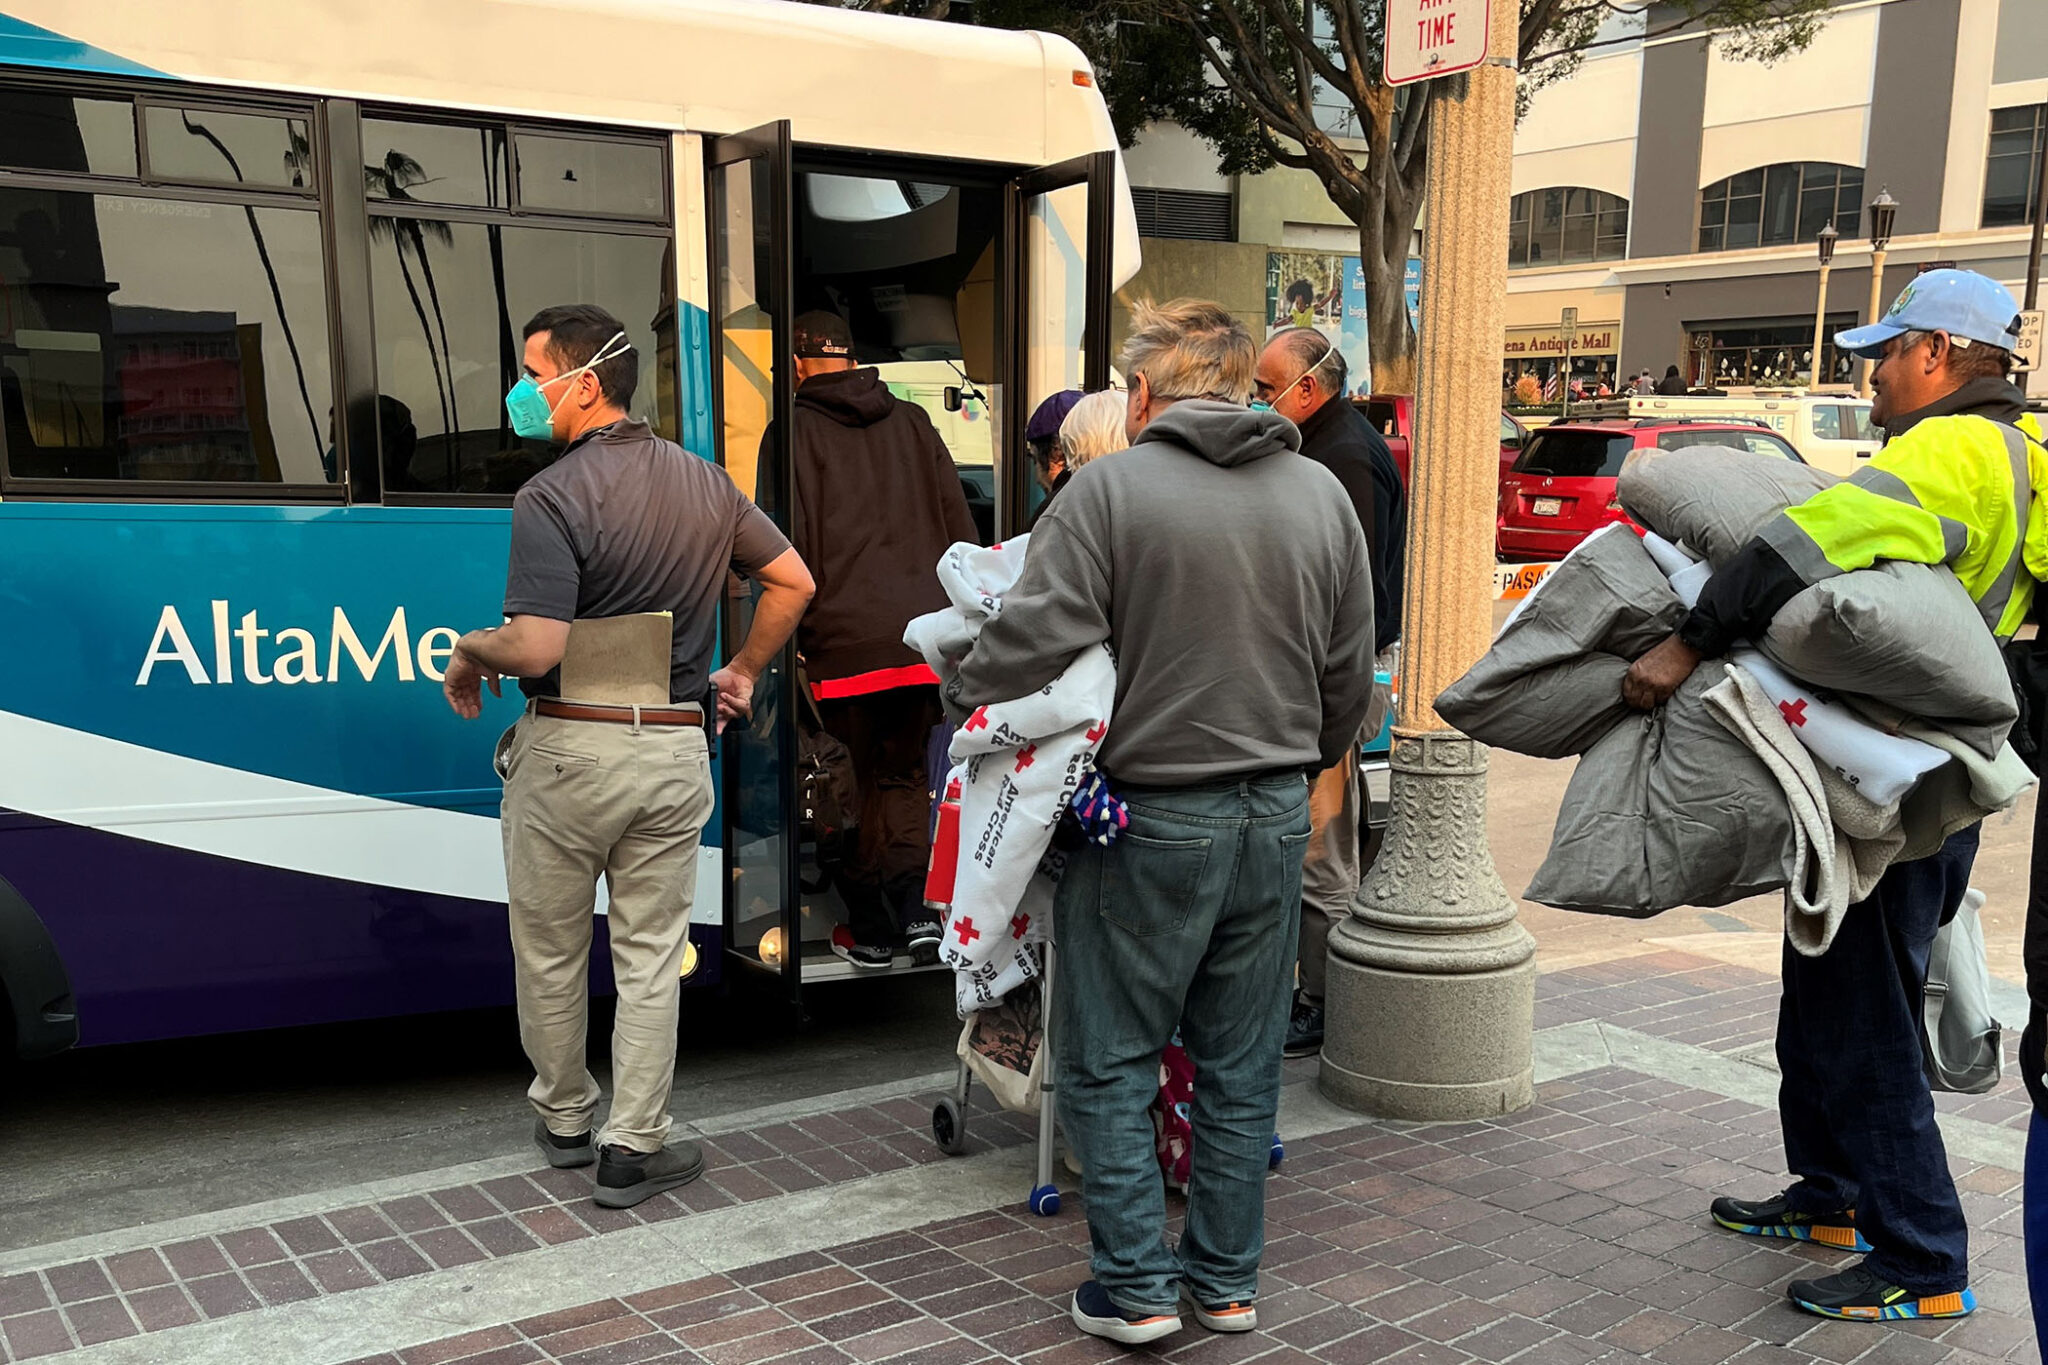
(162, 942)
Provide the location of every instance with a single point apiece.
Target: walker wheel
(1278, 1155)
(949, 1126)
(1045, 1201)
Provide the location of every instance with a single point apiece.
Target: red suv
(1392, 414)
(1561, 488)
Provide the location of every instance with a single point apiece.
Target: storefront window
(1566, 226)
(1768, 352)
(1779, 205)
(2012, 171)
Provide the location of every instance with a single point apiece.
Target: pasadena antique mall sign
(1588, 339)
(1428, 38)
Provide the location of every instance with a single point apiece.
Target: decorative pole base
(1432, 981)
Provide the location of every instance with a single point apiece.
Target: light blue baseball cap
(1959, 302)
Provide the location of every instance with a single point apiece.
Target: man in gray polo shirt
(622, 522)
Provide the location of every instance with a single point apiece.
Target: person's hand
(463, 685)
(1653, 678)
(735, 695)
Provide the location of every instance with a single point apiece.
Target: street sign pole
(1432, 980)
(1568, 328)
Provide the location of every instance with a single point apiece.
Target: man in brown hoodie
(878, 501)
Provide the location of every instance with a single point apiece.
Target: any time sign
(1428, 38)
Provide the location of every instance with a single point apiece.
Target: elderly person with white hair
(1093, 427)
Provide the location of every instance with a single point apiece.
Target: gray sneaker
(625, 1177)
(563, 1152)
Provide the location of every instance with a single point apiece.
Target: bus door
(1058, 241)
(748, 204)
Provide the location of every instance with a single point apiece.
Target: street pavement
(367, 1194)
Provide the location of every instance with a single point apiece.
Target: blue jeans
(1190, 918)
(2034, 1220)
(1857, 1116)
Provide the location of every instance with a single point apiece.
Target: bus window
(469, 163)
(450, 297)
(211, 147)
(586, 175)
(163, 339)
(43, 131)
(449, 302)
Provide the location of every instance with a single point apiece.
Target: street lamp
(1883, 210)
(1826, 242)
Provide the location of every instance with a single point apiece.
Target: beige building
(1673, 196)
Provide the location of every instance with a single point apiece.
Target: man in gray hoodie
(1232, 580)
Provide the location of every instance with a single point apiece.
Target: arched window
(1779, 205)
(1565, 226)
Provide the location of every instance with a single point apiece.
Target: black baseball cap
(821, 335)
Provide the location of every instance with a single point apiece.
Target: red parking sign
(1428, 38)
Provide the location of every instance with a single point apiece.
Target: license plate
(1546, 507)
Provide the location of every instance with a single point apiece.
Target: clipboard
(619, 660)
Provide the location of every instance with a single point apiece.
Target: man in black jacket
(878, 501)
(1302, 375)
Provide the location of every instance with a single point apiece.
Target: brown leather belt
(616, 715)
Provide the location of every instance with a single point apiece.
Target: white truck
(1831, 431)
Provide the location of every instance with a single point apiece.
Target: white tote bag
(1960, 1041)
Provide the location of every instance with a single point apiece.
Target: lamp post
(1826, 243)
(1883, 210)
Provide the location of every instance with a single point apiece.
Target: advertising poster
(1324, 291)
(1327, 292)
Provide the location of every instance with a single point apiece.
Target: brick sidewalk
(1571, 1232)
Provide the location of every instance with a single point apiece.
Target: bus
(262, 270)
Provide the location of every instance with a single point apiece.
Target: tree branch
(1344, 17)
(1282, 14)
(1261, 101)
(1412, 127)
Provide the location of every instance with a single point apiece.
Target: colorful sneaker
(1859, 1295)
(868, 957)
(1772, 1218)
(1097, 1315)
(1234, 1316)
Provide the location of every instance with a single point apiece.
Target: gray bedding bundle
(1673, 808)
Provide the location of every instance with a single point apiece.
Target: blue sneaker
(1098, 1316)
(1859, 1295)
(1774, 1217)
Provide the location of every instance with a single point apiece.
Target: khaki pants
(1329, 872)
(585, 799)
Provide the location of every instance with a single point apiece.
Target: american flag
(1553, 387)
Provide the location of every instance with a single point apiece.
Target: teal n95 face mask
(533, 417)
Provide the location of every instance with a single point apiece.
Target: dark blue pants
(2034, 1219)
(1189, 919)
(1858, 1119)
